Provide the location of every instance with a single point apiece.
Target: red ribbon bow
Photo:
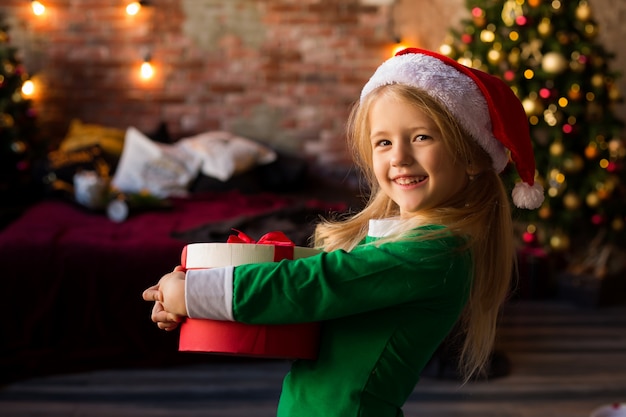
(283, 246)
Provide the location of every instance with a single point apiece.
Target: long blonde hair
(480, 212)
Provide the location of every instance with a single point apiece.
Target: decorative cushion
(224, 154)
(162, 170)
(81, 135)
(60, 168)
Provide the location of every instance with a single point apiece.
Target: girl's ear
(472, 170)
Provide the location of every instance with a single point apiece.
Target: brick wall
(281, 71)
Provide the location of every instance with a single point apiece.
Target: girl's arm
(333, 284)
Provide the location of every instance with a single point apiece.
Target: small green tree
(18, 129)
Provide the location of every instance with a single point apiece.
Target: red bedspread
(72, 282)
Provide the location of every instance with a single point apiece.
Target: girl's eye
(383, 142)
(421, 138)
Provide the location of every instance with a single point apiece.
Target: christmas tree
(18, 131)
(548, 52)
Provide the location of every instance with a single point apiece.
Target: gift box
(590, 291)
(597, 279)
(290, 341)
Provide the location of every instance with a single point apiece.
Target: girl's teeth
(407, 181)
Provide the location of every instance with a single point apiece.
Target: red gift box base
(285, 341)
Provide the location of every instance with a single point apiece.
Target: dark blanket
(72, 279)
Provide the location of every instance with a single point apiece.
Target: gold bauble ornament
(545, 27)
(545, 212)
(556, 149)
(6, 120)
(583, 11)
(479, 21)
(554, 63)
(617, 224)
(616, 148)
(559, 241)
(591, 30)
(465, 61)
(9, 68)
(575, 92)
(513, 57)
(592, 199)
(576, 65)
(614, 93)
(611, 183)
(597, 61)
(534, 3)
(573, 164)
(487, 36)
(591, 151)
(563, 37)
(494, 56)
(571, 201)
(532, 106)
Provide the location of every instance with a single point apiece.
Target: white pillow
(224, 154)
(162, 170)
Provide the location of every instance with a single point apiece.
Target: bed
(72, 278)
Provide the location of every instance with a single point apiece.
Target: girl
(432, 247)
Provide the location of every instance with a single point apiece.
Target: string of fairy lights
(146, 69)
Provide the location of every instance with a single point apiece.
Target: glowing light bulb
(28, 88)
(38, 8)
(398, 47)
(147, 70)
(133, 8)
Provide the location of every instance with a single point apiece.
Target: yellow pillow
(81, 135)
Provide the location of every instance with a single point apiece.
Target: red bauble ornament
(612, 167)
(597, 219)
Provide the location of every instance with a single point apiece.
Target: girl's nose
(401, 156)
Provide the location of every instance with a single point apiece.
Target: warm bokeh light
(28, 88)
(147, 70)
(398, 47)
(133, 8)
(38, 7)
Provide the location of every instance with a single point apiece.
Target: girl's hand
(169, 300)
(164, 320)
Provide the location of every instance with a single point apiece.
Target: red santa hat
(484, 105)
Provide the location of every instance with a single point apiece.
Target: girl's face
(410, 161)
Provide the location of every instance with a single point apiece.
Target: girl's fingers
(164, 319)
(151, 294)
(167, 326)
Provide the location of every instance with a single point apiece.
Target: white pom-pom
(526, 196)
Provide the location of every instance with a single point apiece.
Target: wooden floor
(565, 362)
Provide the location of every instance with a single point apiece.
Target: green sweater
(384, 310)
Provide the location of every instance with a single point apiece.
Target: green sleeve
(338, 283)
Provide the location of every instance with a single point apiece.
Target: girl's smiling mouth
(410, 180)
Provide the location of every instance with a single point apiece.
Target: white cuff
(209, 293)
